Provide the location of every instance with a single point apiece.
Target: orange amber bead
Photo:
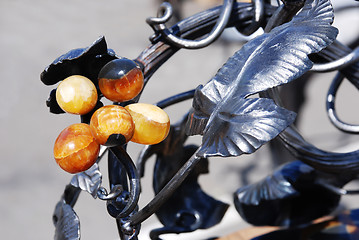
(75, 149)
(120, 80)
(77, 95)
(152, 124)
(112, 125)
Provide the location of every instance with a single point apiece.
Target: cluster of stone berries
(77, 146)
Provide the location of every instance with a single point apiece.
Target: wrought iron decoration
(237, 112)
(231, 123)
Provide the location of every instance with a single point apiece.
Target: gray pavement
(33, 34)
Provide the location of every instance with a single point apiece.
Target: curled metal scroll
(325, 161)
(330, 105)
(338, 64)
(193, 27)
(115, 192)
(158, 24)
(134, 181)
(336, 51)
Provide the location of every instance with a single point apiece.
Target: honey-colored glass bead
(152, 124)
(75, 148)
(77, 95)
(120, 80)
(112, 125)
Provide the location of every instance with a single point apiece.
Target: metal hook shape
(339, 63)
(330, 105)
(158, 24)
(114, 193)
(258, 17)
(134, 180)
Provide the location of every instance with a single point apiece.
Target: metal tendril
(330, 105)
(115, 192)
(158, 24)
(134, 180)
(176, 99)
(339, 63)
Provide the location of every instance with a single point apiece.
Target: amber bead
(120, 80)
(152, 124)
(77, 95)
(75, 148)
(112, 125)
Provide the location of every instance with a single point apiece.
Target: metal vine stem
(158, 24)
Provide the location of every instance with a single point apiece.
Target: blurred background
(34, 33)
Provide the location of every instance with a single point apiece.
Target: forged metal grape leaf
(89, 180)
(294, 194)
(245, 126)
(81, 61)
(66, 222)
(267, 61)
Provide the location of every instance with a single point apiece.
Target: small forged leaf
(66, 221)
(89, 180)
(81, 61)
(294, 194)
(279, 185)
(243, 126)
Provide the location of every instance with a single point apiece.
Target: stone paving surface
(34, 33)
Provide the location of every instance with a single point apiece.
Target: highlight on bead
(112, 125)
(75, 149)
(152, 124)
(77, 95)
(120, 80)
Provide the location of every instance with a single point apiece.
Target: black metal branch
(176, 99)
(165, 193)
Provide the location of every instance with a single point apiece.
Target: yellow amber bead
(152, 124)
(77, 95)
(75, 148)
(112, 125)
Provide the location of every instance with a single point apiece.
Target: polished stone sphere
(77, 95)
(75, 148)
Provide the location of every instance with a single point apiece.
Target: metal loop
(166, 15)
(339, 63)
(330, 105)
(114, 193)
(158, 25)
